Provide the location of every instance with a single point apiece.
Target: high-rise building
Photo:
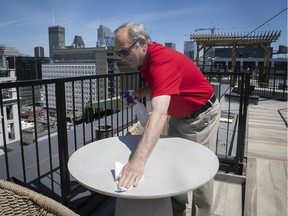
(78, 42)
(109, 41)
(82, 90)
(189, 49)
(103, 34)
(9, 118)
(103, 57)
(7, 52)
(27, 68)
(39, 52)
(56, 38)
(171, 45)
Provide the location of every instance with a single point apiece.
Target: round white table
(176, 166)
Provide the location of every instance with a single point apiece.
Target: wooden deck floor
(266, 184)
(227, 198)
(266, 176)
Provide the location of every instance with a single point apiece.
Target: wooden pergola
(206, 41)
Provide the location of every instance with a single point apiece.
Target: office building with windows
(109, 41)
(171, 45)
(64, 70)
(10, 117)
(7, 52)
(103, 57)
(56, 38)
(78, 42)
(39, 52)
(27, 68)
(189, 49)
(105, 36)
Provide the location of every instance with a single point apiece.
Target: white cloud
(9, 23)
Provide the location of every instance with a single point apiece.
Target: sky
(24, 24)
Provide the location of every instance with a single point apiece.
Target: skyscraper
(78, 42)
(189, 49)
(56, 38)
(82, 90)
(104, 33)
(28, 68)
(39, 52)
(171, 45)
(110, 41)
(7, 52)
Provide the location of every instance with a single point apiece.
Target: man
(177, 89)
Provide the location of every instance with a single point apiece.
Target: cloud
(9, 23)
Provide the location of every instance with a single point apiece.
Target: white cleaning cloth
(118, 168)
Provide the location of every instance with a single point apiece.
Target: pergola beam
(262, 40)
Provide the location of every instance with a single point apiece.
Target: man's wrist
(138, 159)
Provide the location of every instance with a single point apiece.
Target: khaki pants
(203, 130)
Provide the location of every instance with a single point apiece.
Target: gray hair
(135, 31)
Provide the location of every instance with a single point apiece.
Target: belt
(202, 109)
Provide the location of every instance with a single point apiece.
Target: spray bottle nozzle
(129, 97)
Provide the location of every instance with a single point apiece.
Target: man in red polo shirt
(177, 89)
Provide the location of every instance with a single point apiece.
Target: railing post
(284, 83)
(245, 115)
(4, 136)
(62, 138)
(243, 86)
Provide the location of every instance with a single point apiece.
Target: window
(9, 112)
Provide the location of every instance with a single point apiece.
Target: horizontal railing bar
(22, 83)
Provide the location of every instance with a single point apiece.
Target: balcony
(42, 162)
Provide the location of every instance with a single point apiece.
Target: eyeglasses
(126, 51)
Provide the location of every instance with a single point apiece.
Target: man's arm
(133, 171)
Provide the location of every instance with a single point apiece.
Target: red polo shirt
(169, 72)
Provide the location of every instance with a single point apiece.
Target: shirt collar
(146, 65)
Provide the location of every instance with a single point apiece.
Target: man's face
(131, 52)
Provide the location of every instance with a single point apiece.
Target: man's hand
(131, 174)
(143, 92)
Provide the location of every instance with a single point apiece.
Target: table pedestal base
(143, 207)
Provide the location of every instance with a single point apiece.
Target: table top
(175, 166)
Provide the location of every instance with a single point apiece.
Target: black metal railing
(233, 125)
(265, 82)
(75, 107)
(270, 82)
(33, 159)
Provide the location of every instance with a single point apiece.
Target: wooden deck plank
(268, 150)
(266, 178)
(251, 195)
(233, 201)
(219, 197)
(271, 188)
(279, 178)
(265, 189)
(227, 199)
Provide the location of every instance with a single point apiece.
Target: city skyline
(24, 25)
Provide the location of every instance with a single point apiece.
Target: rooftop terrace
(241, 188)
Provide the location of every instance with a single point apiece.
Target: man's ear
(143, 43)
